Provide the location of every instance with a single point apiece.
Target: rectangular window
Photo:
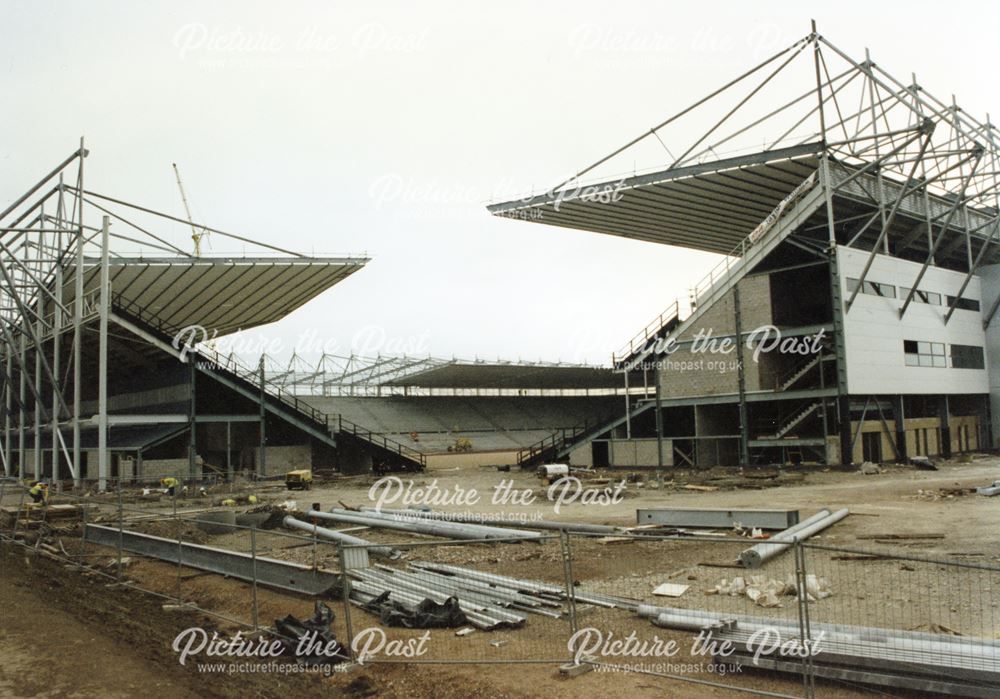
(967, 357)
(928, 297)
(964, 304)
(924, 354)
(872, 288)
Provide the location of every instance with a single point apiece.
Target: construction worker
(39, 492)
(171, 484)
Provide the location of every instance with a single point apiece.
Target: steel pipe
(458, 517)
(443, 529)
(333, 535)
(755, 557)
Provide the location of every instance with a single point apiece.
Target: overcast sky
(383, 128)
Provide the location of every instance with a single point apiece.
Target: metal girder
(718, 519)
(971, 273)
(977, 156)
(927, 129)
(64, 164)
(233, 564)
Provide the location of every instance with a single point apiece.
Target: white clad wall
(874, 332)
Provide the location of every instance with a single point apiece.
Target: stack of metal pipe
(487, 599)
(960, 665)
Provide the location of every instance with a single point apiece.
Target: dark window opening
(929, 297)
(873, 288)
(967, 357)
(964, 304)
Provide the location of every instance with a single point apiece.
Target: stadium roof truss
(899, 170)
(353, 375)
(66, 275)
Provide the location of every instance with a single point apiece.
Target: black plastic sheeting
(292, 630)
(427, 615)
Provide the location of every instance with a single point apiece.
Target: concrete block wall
(282, 459)
(638, 452)
(153, 468)
(582, 456)
(687, 374)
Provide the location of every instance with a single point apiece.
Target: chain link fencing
(681, 608)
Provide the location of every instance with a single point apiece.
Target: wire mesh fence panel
(467, 601)
(928, 623)
(656, 605)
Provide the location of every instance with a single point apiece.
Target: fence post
(801, 597)
(45, 520)
(567, 557)
(253, 562)
(17, 514)
(3, 489)
(121, 532)
(180, 555)
(345, 588)
(83, 535)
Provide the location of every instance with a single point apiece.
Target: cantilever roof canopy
(458, 374)
(221, 294)
(710, 206)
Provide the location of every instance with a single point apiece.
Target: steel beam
(972, 271)
(977, 156)
(233, 564)
(927, 129)
(718, 519)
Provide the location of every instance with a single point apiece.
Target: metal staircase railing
(550, 446)
(252, 376)
(659, 327)
(806, 197)
(790, 377)
(790, 424)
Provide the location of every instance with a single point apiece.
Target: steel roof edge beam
(661, 176)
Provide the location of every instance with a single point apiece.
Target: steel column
(102, 390)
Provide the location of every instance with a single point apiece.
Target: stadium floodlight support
(45, 236)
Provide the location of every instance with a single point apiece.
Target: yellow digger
(461, 444)
(299, 480)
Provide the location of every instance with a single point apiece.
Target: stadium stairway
(248, 382)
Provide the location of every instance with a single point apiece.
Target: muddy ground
(80, 619)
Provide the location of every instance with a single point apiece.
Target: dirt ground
(901, 502)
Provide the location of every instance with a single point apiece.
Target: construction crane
(196, 235)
